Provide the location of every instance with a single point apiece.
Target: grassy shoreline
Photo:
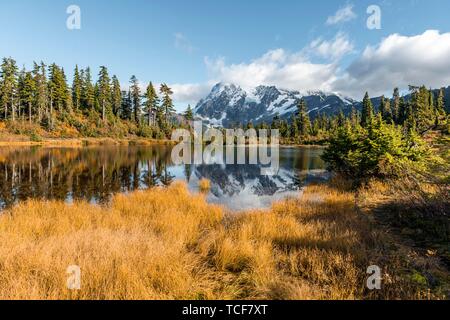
(20, 141)
(167, 243)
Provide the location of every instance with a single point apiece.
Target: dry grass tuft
(204, 185)
(169, 244)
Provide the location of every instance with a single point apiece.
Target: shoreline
(82, 142)
(23, 141)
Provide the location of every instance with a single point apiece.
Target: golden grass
(169, 244)
(204, 185)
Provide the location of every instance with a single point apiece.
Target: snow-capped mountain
(229, 104)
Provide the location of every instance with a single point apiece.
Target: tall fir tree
(41, 94)
(27, 94)
(88, 92)
(8, 86)
(303, 121)
(396, 106)
(151, 104)
(440, 106)
(189, 114)
(136, 99)
(116, 95)
(126, 109)
(167, 103)
(367, 111)
(104, 92)
(77, 88)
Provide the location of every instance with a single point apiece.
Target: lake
(94, 174)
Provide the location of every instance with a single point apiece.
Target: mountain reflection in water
(94, 174)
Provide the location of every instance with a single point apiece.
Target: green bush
(378, 150)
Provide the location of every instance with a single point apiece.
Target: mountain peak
(228, 104)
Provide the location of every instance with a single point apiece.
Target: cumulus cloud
(183, 43)
(335, 49)
(190, 93)
(276, 67)
(399, 61)
(344, 14)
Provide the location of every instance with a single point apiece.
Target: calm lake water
(96, 173)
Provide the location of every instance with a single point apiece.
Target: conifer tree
(167, 103)
(116, 96)
(58, 93)
(303, 121)
(41, 94)
(104, 91)
(294, 128)
(367, 111)
(27, 94)
(127, 105)
(440, 106)
(189, 114)
(8, 85)
(88, 93)
(421, 109)
(77, 89)
(136, 99)
(354, 117)
(396, 106)
(151, 104)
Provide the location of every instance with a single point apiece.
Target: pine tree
(303, 121)
(151, 104)
(385, 109)
(77, 88)
(354, 117)
(189, 114)
(126, 109)
(341, 118)
(59, 92)
(381, 108)
(136, 99)
(116, 96)
(41, 95)
(402, 111)
(167, 103)
(421, 109)
(88, 92)
(294, 132)
(27, 93)
(440, 106)
(20, 90)
(367, 111)
(8, 85)
(396, 106)
(104, 92)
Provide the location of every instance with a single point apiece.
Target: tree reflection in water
(95, 173)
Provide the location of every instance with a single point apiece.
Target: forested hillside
(42, 100)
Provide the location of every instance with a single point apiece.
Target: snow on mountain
(229, 104)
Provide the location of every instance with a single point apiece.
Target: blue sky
(192, 44)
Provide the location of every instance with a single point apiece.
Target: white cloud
(183, 43)
(344, 14)
(399, 61)
(276, 67)
(190, 93)
(335, 49)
